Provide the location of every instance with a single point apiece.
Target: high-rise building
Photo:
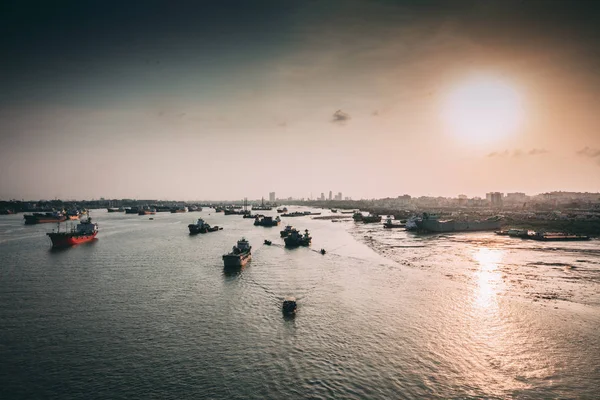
(340, 196)
(322, 196)
(495, 198)
(330, 193)
(272, 197)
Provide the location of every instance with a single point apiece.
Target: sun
(483, 110)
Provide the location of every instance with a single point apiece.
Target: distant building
(322, 196)
(516, 197)
(462, 200)
(272, 197)
(494, 198)
(330, 198)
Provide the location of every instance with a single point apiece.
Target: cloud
(536, 152)
(504, 153)
(589, 152)
(339, 117)
(518, 153)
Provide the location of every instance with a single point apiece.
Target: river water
(147, 311)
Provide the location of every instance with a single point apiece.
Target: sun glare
(483, 110)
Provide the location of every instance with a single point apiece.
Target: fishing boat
(295, 239)
(84, 232)
(240, 255)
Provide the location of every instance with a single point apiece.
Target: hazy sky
(227, 99)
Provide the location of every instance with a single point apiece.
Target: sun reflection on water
(488, 276)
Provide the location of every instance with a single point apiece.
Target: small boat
(289, 306)
(389, 224)
(132, 210)
(333, 210)
(323, 251)
(84, 232)
(282, 210)
(240, 254)
(268, 242)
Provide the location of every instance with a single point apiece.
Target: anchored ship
(84, 232)
(266, 221)
(43, 218)
(295, 239)
(432, 223)
(240, 254)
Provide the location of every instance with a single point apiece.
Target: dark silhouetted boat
(240, 255)
(44, 218)
(289, 306)
(295, 239)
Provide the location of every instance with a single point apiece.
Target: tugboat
(295, 239)
(84, 232)
(42, 218)
(288, 229)
(240, 254)
(266, 221)
(289, 306)
(202, 227)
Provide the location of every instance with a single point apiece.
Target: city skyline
(198, 101)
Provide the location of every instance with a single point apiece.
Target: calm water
(147, 311)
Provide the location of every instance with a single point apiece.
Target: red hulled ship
(84, 232)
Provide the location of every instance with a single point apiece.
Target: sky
(232, 99)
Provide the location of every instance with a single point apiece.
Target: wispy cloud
(589, 152)
(517, 153)
(340, 117)
(536, 152)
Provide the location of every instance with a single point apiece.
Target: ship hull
(67, 240)
(457, 226)
(236, 260)
(29, 220)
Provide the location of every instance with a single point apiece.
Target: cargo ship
(295, 239)
(432, 223)
(132, 210)
(84, 232)
(114, 209)
(176, 210)
(294, 214)
(367, 219)
(240, 254)
(44, 218)
(266, 221)
(202, 227)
